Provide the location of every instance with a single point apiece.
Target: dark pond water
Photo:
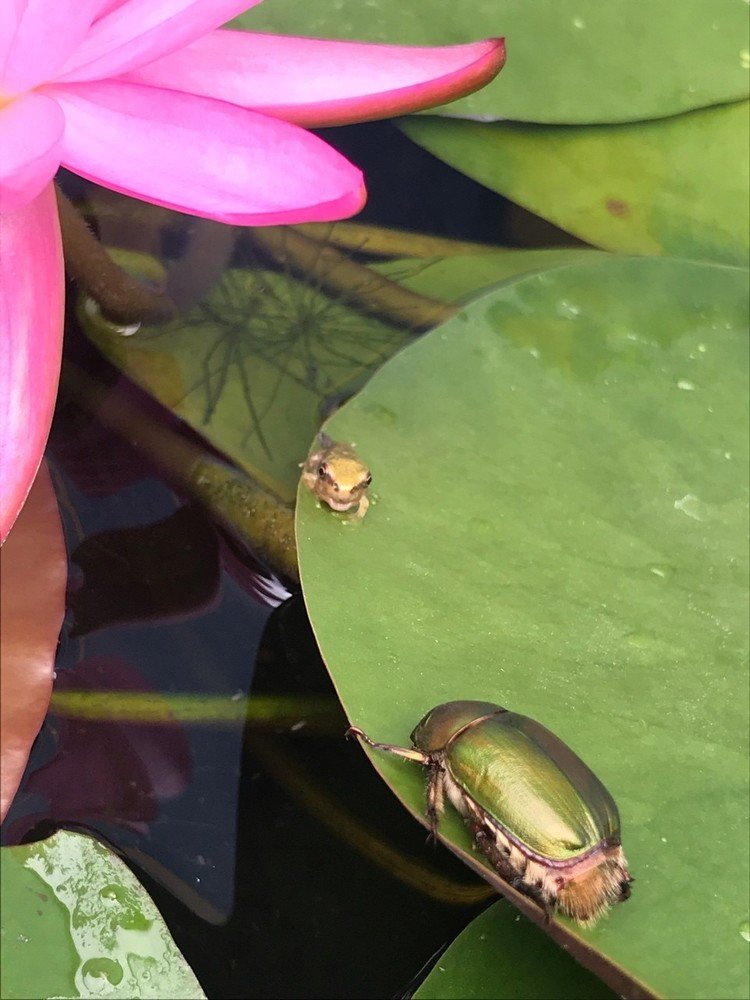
(282, 864)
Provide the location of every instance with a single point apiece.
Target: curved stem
(121, 297)
(338, 274)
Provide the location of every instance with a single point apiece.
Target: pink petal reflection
(32, 588)
(204, 157)
(31, 327)
(130, 767)
(314, 82)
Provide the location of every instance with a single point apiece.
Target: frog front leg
(360, 512)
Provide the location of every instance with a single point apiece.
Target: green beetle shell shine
(528, 780)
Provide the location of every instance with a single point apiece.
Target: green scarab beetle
(544, 820)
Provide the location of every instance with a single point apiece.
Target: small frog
(337, 476)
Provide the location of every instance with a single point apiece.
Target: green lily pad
(501, 956)
(573, 61)
(76, 923)
(254, 366)
(452, 279)
(559, 525)
(677, 186)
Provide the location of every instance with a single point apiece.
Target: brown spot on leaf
(618, 207)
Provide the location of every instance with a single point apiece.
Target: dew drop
(686, 384)
(579, 23)
(644, 641)
(745, 59)
(113, 894)
(568, 309)
(690, 505)
(663, 570)
(745, 929)
(97, 972)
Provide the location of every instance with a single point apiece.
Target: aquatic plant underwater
(549, 409)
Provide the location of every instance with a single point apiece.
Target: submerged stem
(380, 241)
(258, 517)
(121, 297)
(339, 274)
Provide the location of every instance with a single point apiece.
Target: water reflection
(194, 729)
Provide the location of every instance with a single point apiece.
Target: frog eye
(322, 470)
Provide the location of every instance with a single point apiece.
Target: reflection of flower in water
(105, 771)
(99, 461)
(254, 578)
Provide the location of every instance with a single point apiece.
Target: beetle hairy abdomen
(583, 888)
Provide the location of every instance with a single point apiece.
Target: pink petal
(10, 12)
(45, 36)
(35, 571)
(31, 129)
(31, 326)
(313, 82)
(204, 157)
(134, 33)
(107, 6)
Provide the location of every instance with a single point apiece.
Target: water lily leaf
(677, 186)
(452, 279)
(568, 60)
(32, 604)
(501, 956)
(76, 923)
(559, 525)
(254, 366)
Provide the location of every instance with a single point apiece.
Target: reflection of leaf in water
(257, 364)
(300, 333)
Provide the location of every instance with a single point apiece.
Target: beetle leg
(406, 752)
(533, 892)
(625, 891)
(434, 798)
(499, 855)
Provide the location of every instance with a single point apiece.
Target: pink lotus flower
(146, 98)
